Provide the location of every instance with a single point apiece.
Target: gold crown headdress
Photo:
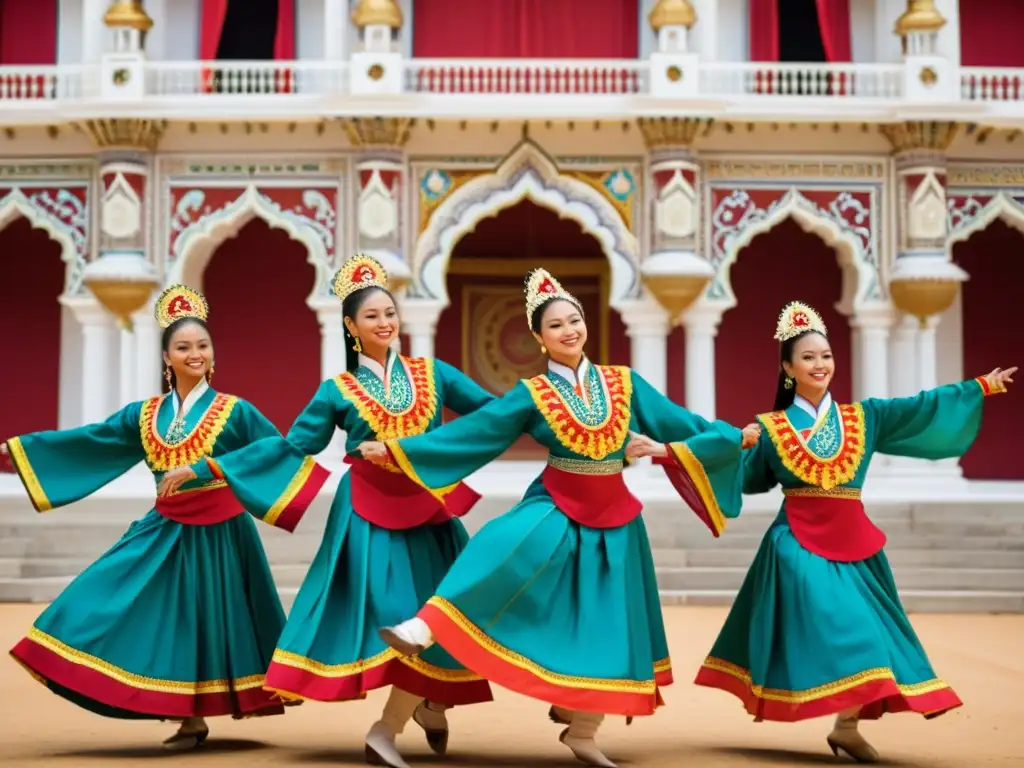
(361, 271)
(797, 318)
(180, 301)
(542, 287)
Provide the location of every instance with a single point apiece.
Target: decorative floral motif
(406, 410)
(595, 431)
(969, 211)
(811, 466)
(163, 456)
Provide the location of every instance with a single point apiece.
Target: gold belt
(585, 467)
(839, 492)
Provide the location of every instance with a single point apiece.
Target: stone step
(927, 558)
(910, 578)
(914, 601)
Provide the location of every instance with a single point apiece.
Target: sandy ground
(981, 656)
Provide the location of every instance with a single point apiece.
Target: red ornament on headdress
(546, 287)
(363, 273)
(179, 306)
(800, 320)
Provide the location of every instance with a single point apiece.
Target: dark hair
(784, 395)
(168, 334)
(350, 308)
(538, 313)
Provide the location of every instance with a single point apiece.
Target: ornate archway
(60, 212)
(527, 173)
(972, 213)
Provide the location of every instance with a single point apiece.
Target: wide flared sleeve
(60, 467)
(705, 458)
(938, 423)
(277, 478)
(461, 393)
(758, 476)
(440, 459)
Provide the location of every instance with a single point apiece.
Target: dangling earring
(788, 384)
(358, 345)
(167, 375)
(543, 349)
(209, 375)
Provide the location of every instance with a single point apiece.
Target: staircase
(963, 556)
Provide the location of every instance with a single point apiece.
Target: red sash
(832, 524)
(202, 506)
(593, 500)
(393, 501)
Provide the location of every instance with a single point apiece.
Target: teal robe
(810, 635)
(174, 620)
(364, 575)
(544, 605)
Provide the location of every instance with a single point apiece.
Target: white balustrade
(858, 81)
(526, 76)
(991, 84)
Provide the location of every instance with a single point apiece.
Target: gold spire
(384, 12)
(127, 14)
(920, 16)
(672, 13)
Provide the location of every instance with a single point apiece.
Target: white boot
(191, 733)
(847, 738)
(431, 717)
(579, 737)
(408, 638)
(380, 739)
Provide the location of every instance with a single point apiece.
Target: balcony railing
(329, 86)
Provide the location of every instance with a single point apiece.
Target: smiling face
(563, 332)
(811, 366)
(189, 353)
(375, 324)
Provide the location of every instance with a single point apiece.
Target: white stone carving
(378, 209)
(675, 209)
(926, 210)
(121, 210)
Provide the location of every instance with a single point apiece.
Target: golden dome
(385, 12)
(920, 16)
(672, 13)
(128, 14)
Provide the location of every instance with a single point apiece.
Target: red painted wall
(676, 361)
(28, 31)
(31, 280)
(783, 265)
(990, 33)
(993, 335)
(266, 339)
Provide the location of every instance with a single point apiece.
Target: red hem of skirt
(508, 675)
(295, 510)
(292, 681)
(44, 663)
(875, 698)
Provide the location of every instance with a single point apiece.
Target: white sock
(584, 725)
(399, 709)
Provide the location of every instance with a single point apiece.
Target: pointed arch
(196, 245)
(858, 273)
(1001, 206)
(15, 204)
(527, 173)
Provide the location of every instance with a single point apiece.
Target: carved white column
(335, 29)
(903, 360)
(419, 323)
(647, 326)
(701, 323)
(927, 349)
(872, 360)
(100, 382)
(93, 30)
(332, 361)
(148, 355)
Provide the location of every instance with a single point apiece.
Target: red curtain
(834, 21)
(990, 33)
(28, 32)
(764, 30)
(542, 29)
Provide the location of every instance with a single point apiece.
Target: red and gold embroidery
(987, 389)
(595, 442)
(806, 465)
(388, 425)
(162, 456)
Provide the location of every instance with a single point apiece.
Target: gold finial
(672, 13)
(127, 14)
(373, 12)
(920, 16)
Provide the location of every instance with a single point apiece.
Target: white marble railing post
(647, 326)
(701, 323)
(99, 383)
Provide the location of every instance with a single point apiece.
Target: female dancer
(557, 599)
(178, 620)
(818, 628)
(387, 543)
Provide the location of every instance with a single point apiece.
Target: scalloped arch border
(16, 204)
(526, 174)
(1001, 206)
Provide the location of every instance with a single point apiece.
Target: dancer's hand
(375, 452)
(999, 378)
(751, 434)
(641, 445)
(173, 480)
